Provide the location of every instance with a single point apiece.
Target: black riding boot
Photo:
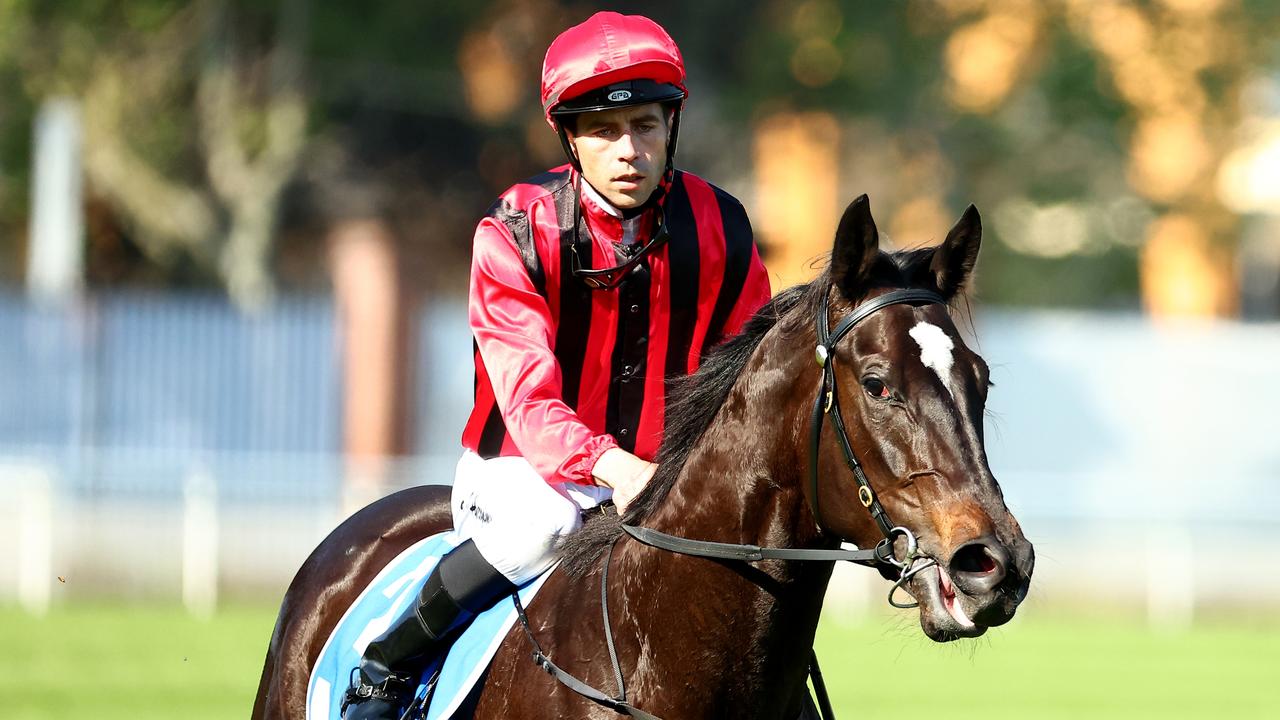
(461, 585)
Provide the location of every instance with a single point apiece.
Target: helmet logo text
(619, 95)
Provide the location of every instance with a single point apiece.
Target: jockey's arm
(756, 292)
(514, 332)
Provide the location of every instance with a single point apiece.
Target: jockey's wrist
(611, 466)
(625, 473)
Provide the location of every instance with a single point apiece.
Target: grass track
(1055, 668)
(138, 662)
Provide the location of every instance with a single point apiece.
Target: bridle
(827, 403)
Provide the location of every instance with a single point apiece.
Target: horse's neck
(743, 483)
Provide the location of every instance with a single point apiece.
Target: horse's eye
(875, 388)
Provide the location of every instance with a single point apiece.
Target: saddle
(446, 686)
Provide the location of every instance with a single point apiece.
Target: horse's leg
(329, 581)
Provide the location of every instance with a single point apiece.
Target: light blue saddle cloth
(380, 604)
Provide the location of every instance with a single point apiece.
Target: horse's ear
(953, 260)
(856, 248)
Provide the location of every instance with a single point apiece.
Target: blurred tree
(1084, 130)
(225, 137)
(194, 120)
(16, 114)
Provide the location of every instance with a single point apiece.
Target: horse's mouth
(942, 608)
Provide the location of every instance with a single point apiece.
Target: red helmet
(586, 62)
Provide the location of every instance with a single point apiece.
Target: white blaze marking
(935, 350)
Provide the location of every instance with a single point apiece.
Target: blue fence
(182, 373)
(1105, 431)
(115, 390)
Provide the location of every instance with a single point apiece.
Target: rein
(826, 403)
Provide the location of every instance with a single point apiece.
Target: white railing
(209, 541)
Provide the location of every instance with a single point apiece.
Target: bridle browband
(826, 403)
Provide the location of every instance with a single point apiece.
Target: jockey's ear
(856, 248)
(953, 260)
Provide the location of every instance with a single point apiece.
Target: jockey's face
(622, 152)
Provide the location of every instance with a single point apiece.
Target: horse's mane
(694, 400)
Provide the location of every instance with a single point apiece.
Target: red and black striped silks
(564, 372)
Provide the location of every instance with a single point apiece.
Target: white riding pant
(513, 516)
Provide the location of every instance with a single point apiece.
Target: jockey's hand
(625, 473)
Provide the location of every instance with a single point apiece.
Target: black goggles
(609, 278)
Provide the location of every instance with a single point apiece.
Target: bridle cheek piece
(826, 404)
(864, 494)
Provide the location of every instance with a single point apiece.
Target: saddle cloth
(380, 604)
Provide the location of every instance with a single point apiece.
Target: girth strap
(618, 704)
(541, 660)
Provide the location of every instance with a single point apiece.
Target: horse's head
(912, 396)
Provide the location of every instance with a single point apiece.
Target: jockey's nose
(979, 566)
(626, 147)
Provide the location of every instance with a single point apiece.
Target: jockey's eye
(875, 388)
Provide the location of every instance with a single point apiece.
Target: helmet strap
(671, 141)
(568, 146)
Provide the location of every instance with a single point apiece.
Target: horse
(707, 637)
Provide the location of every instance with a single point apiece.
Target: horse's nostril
(973, 559)
(979, 566)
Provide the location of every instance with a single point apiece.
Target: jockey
(591, 284)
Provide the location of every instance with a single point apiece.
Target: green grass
(137, 662)
(131, 662)
(1054, 667)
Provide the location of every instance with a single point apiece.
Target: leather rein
(826, 403)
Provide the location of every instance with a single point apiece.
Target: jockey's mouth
(633, 178)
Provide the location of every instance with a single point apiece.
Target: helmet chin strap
(563, 134)
(671, 143)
